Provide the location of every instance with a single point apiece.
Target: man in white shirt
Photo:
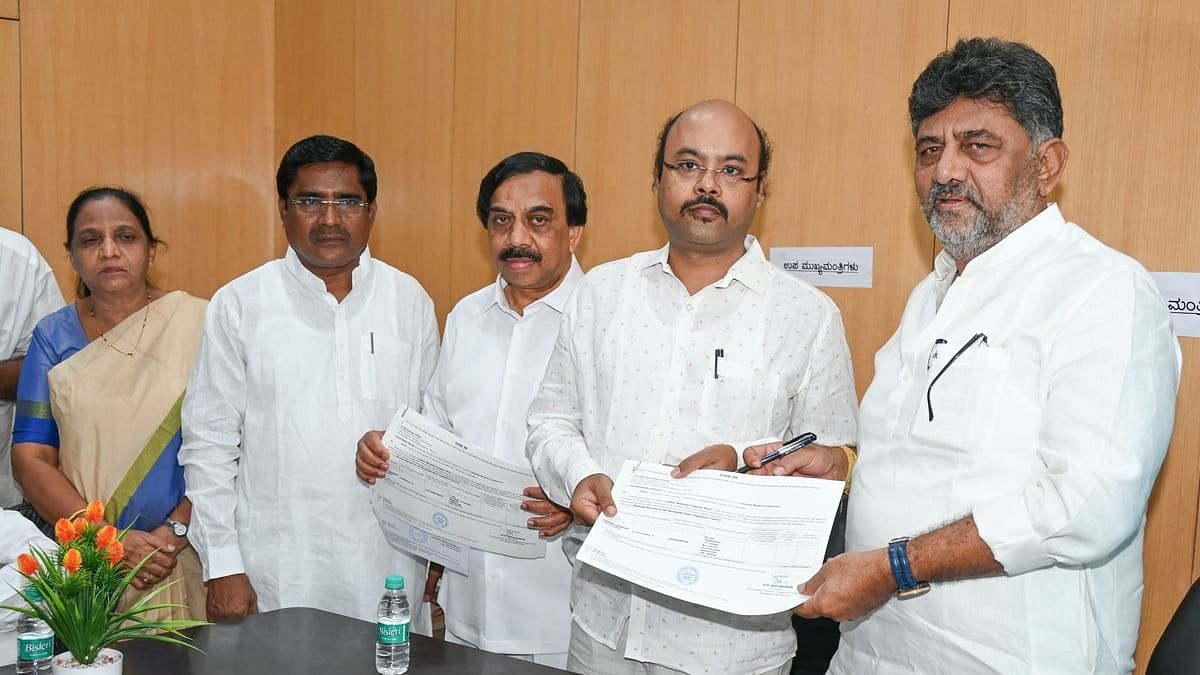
(17, 536)
(28, 291)
(494, 353)
(1017, 418)
(299, 358)
(667, 352)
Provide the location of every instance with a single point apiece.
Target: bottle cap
(32, 593)
(394, 582)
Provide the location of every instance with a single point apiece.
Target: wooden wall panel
(830, 85)
(639, 63)
(514, 90)
(404, 60)
(171, 100)
(1128, 74)
(10, 125)
(9, 9)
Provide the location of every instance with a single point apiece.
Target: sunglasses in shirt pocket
(384, 364)
(964, 397)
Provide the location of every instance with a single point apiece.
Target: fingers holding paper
(551, 518)
(848, 586)
(718, 457)
(371, 459)
(593, 496)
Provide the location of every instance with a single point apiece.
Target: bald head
(714, 112)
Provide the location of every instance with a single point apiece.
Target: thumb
(604, 499)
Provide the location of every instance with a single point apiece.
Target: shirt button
(689, 307)
(905, 376)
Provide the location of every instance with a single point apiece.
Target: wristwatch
(907, 587)
(178, 528)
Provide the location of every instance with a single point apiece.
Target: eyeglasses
(690, 171)
(346, 206)
(979, 337)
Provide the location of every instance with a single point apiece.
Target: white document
(730, 541)
(830, 266)
(1181, 291)
(441, 496)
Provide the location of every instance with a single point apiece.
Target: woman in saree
(99, 398)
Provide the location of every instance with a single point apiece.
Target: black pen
(784, 450)
(717, 356)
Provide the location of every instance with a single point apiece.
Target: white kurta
(1051, 434)
(631, 377)
(28, 291)
(17, 536)
(286, 382)
(491, 365)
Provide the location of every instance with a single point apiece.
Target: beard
(965, 237)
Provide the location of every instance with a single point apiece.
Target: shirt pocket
(965, 398)
(739, 404)
(385, 365)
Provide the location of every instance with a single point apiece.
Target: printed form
(441, 496)
(734, 542)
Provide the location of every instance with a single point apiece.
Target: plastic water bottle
(35, 640)
(391, 631)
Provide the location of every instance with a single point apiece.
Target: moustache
(707, 200)
(522, 252)
(328, 232)
(959, 190)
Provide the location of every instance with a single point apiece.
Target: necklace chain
(92, 312)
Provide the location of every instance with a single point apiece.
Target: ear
(762, 189)
(574, 233)
(282, 209)
(1052, 160)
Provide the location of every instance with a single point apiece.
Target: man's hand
(813, 461)
(371, 460)
(433, 582)
(231, 597)
(592, 496)
(553, 519)
(848, 586)
(140, 544)
(719, 457)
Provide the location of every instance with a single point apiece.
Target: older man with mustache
(299, 358)
(667, 352)
(1018, 417)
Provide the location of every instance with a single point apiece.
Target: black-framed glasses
(691, 171)
(978, 338)
(346, 206)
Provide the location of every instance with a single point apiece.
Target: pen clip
(718, 354)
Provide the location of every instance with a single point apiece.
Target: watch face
(179, 529)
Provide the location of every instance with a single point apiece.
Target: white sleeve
(213, 413)
(427, 321)
(17, 536)
(827, 402)
(1113, 374)
(556, 449)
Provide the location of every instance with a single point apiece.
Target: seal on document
(417, 534)
(440, 520)
(687, 575)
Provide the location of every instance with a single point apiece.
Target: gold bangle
(851, 458)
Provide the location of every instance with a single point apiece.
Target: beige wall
(191, 103)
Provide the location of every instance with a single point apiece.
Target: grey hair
(1009, 73)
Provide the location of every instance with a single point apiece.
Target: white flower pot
(107, 663)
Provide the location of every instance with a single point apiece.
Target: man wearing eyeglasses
(1018, 417)
(298, 359)
(662, 356)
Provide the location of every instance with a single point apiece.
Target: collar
(556, 299)
(1016, 244)
(291, 262)
(752, 269)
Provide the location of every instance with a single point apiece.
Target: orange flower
(63, 531)
(72, 561)
(94, 512)
(116, 551)
(80, 526)
(108, 534)
(28, 564)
